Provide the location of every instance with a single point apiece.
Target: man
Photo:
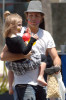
(26, 85)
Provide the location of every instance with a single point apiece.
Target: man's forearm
(7, 56)
(11, 57)
(57, 61)
(54, 55)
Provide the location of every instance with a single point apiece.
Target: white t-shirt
(45, 41)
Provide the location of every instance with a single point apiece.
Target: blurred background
(55, 15)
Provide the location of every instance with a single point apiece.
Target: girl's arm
(25, 49)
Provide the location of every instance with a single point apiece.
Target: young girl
(15, 44)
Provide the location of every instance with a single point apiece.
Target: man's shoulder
(44, 32)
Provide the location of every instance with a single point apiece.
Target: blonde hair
(11, 21)
(6, 13)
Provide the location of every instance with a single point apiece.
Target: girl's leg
(41, 74)
(10, 79)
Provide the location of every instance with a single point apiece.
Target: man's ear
(26, 15)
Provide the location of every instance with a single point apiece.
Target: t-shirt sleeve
(51, 42)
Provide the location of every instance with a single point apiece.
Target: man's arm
(54, 55)
(7, 56)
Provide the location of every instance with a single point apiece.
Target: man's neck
(34, 29)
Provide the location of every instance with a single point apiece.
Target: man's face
(34, 19)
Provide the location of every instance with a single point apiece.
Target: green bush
(3, 81)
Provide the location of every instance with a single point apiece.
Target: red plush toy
(26, 36)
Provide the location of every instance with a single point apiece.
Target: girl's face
(19, 27)
(34, 19)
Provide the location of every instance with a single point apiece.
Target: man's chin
(33, 25)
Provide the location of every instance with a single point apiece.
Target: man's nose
(34, 17)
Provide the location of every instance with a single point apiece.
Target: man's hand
(28, 55)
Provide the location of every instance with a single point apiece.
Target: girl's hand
(34, 36)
